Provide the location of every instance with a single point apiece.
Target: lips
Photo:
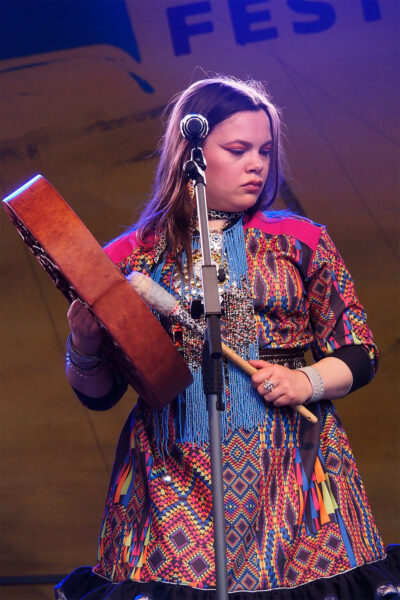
(254, 185)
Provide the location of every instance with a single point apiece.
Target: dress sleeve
(338, 319)
(106, 402)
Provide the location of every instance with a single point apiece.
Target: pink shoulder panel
(304, 230)
(121, 247)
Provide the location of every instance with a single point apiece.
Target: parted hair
(169, 209)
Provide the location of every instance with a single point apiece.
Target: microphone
(194, 127)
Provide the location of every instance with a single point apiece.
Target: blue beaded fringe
(246, 407)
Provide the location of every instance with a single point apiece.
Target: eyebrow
(244, 143)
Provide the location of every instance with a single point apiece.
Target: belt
(293, 358)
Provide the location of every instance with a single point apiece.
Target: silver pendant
(167, 478)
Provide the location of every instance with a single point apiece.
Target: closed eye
(239, 151)
(235, 151)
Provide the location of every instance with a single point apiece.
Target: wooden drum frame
(134, 342)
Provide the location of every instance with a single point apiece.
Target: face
(237, 152)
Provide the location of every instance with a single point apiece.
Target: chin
(243, 203)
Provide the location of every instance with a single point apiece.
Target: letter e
(241, 21)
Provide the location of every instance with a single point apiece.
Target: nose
(255, 163)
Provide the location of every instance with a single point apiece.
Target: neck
(216, 225)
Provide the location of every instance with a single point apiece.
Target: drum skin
(133, 340)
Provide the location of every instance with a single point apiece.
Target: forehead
(246, 125)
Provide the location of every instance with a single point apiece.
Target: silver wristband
(85, 373)
(317, 384)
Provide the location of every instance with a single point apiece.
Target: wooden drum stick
(157, 297)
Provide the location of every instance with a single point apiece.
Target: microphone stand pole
(212, 369)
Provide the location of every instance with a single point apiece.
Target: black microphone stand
(212, 368)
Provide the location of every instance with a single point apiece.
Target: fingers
(79, 316)
(272, 391)
(86, 333)
(74, 309)
(258, 364)
(264, 381)
(265, 370)
(78, 313)
(277, 384)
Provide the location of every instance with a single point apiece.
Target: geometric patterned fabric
(161, 528)
(295, 506)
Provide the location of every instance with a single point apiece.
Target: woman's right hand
(86, 332)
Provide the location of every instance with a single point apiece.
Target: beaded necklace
(246, 407)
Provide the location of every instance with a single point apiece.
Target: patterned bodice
(302, 291)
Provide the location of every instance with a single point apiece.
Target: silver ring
(268, 385)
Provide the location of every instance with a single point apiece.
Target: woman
(298, 523)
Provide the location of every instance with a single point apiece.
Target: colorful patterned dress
(298, 523)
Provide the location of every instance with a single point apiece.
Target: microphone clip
(198, 157)
(195, 167)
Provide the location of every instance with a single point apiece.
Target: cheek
(221, 167)
(219, 179)
(214, 181)
(217, 172)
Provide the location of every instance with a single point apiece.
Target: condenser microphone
(194, 127)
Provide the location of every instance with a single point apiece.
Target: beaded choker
(215, 215)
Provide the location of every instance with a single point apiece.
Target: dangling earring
(190, 188)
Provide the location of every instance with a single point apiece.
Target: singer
(298, 522)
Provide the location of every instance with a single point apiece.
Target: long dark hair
(169, 210)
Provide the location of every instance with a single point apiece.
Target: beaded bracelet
(85, 373)
(83, 362)
(317, 384)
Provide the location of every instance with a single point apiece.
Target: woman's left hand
(288, 387)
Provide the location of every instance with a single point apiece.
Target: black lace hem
(373, 581)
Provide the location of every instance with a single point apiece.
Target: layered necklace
(228, 252)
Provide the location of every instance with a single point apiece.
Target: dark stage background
(83, 87)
